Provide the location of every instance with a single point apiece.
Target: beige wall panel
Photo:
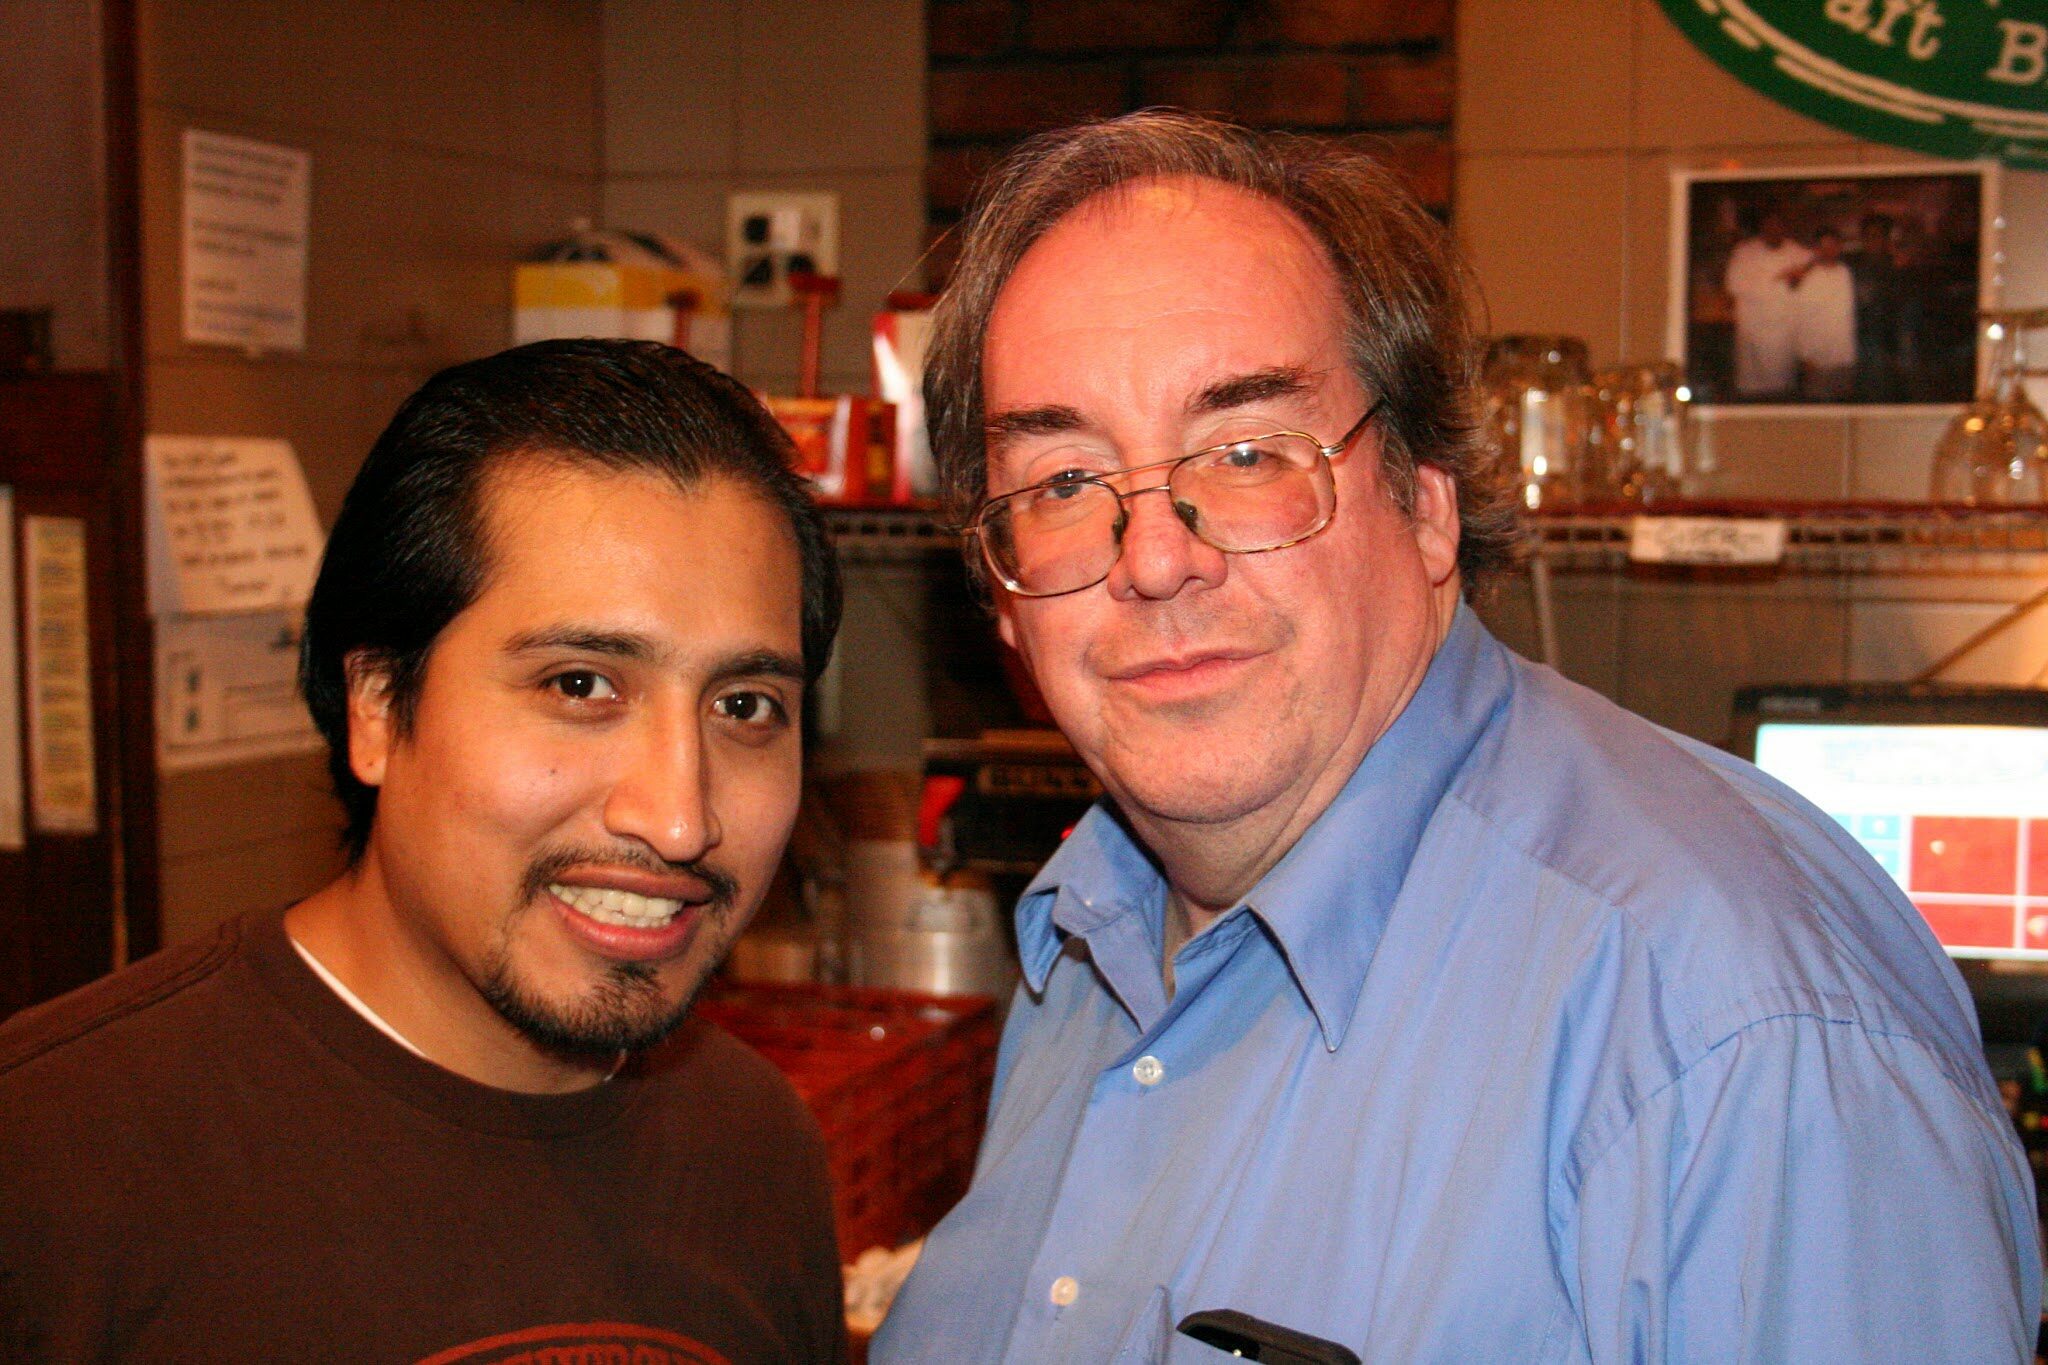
(1546, 234)
(507, 81)
(455, 227)
(831, 86)
(201, 892)
(1507, 102)
(1892, 457)
(249, 803)
(1683, 100)
(1688, 647)
(1776, 457)
(688, 206)
(671, 83)
(53, 238)
(1646, 262)
(1894, 641)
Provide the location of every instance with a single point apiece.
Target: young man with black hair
(450, 1108)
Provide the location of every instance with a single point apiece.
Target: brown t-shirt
(210, 1156)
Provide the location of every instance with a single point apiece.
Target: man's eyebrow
(749, 663)
(614, 644)
(760, 663)
(1049, 420)
(1260, 386)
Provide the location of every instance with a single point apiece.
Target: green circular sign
(1958, 78)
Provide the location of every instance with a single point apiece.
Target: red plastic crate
(899, 1083)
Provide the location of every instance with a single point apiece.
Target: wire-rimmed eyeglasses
(1242, 497)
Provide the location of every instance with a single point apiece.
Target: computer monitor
(1946, 786)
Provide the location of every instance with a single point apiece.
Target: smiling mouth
(623, 908)
(1182, 667)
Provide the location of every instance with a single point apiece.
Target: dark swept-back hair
(409, 551)
(1404, 296)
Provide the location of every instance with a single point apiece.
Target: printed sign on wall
(1957, 78)
(247, 205)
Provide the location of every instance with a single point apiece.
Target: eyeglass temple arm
(1356, 427)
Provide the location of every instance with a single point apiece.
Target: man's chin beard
(623, 1012)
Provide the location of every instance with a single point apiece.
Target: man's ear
(1006, 617)
(372, 728)
(1436, 521)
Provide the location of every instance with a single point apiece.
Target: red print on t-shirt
(582, 1343)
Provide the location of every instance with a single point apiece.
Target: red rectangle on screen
(1975, 855)
(1970, 924)
(2037, 857)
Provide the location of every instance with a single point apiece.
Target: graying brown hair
(1404, 293)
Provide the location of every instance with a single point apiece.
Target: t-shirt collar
(1326, 902)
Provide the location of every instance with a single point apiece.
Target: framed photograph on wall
(1812, 289)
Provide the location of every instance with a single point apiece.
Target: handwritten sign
(247, 206)
(1706, 540)
(1958, 78)
(231, 525)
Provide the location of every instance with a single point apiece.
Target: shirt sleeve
(1809, 1190)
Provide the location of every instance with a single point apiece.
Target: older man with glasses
(1402, 1001)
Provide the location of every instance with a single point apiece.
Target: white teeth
(608, 906)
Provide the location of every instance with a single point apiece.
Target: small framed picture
(1828, 287)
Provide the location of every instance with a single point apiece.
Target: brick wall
(1377, 71)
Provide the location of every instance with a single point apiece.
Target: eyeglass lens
(1240, 498)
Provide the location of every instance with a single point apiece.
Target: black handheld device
(1250, 1338)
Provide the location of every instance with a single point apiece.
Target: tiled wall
(1571, 116)
(1381, 69)
(702, 97)
(447, 139)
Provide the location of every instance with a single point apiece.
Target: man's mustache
(549, 867)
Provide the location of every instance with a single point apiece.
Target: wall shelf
(1824, 537)
(1820, 537)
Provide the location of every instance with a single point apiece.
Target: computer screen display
(1957, 813)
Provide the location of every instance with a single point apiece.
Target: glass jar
(1538, 402)
(1641, 445)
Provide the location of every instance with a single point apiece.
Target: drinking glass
(1995, 452)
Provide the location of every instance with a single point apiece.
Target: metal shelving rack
(1820, 537)
(1871, 538)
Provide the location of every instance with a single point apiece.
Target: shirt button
(1148, 1071)
(1064, 1291)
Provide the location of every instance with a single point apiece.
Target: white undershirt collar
(354, 1001)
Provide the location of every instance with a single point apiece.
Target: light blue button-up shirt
(1556, 1038)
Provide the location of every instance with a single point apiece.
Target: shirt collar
(1326, 902)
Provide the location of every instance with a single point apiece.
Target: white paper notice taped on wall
(227, 690)
(231, 526)
(247, 207)
(63, 795)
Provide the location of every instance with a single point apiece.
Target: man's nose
(663, 794)
(1162, 556)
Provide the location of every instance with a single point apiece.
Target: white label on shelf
(1706, 540)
